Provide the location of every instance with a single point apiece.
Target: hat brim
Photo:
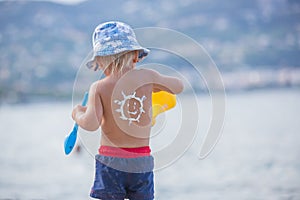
(143, 52)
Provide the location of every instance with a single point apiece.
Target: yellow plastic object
(161, 102)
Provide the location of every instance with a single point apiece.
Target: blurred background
(255, 45)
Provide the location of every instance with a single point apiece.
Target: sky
(66, 1)
(57, 1)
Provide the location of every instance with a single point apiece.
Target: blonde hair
(116, 63)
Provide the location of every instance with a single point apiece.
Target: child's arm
(89, 117)
(167, 83)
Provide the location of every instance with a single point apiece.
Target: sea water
(257, 156)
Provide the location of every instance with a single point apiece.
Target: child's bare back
(123, 104)
(126, 102)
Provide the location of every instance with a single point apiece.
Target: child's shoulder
(144, 74)
(147, 72)
(99, 84)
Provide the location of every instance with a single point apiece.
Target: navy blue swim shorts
(119, 178)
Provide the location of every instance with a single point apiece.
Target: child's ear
(136, 57)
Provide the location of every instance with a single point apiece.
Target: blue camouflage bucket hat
(114, 37)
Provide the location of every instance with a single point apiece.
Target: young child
(121, 105)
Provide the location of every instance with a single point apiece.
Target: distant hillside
(42, 44)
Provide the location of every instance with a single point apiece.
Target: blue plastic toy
(70, 139)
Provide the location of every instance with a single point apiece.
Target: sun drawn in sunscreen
(134, 109)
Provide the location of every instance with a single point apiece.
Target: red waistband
(124, 152)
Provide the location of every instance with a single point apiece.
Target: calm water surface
(257, 156)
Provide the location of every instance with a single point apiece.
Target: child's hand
(78, 111)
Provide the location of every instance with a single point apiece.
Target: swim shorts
(117, 178)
